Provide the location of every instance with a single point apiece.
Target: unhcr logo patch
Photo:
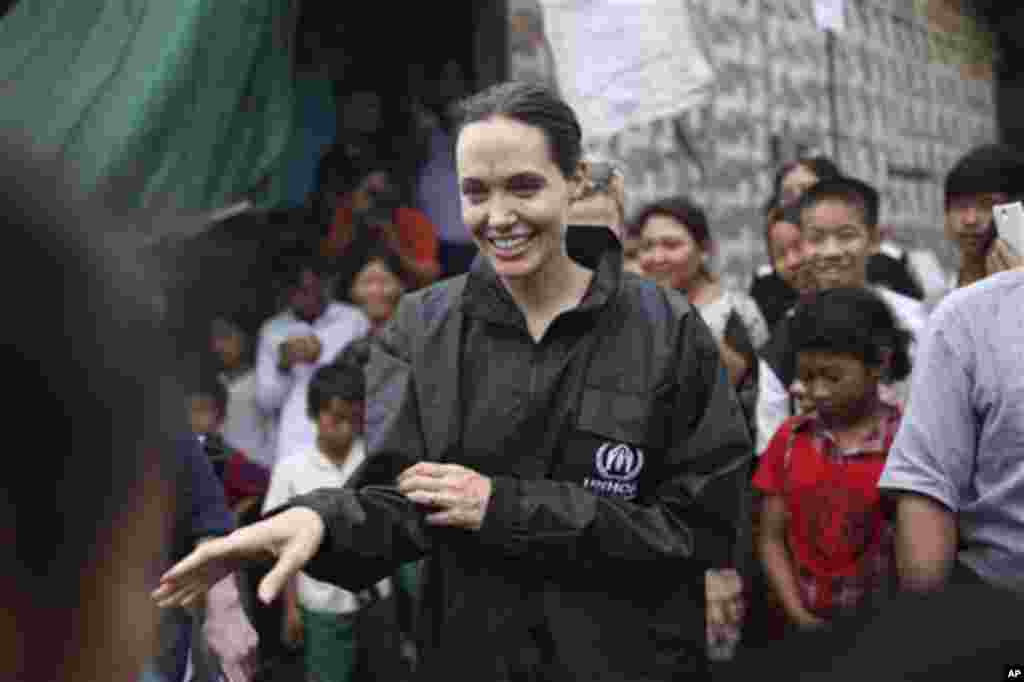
(619, 462)
(618, 466)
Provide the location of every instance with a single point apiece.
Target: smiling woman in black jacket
(560, 443)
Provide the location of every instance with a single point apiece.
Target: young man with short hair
(985, 177)
(839, 225)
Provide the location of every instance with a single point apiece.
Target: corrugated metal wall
(902, 113)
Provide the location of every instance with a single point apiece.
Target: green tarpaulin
(172, 104)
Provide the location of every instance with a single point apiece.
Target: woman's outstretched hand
(293, 536)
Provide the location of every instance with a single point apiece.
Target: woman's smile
(510, 246)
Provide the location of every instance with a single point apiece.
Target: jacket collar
(595, 248)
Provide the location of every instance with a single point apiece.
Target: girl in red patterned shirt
(826, 537)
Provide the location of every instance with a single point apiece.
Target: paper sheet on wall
(624, 63)
(829, 14)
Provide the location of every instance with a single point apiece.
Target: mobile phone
(1009, 222)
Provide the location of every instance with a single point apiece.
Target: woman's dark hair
(535, 105)
(336, 380)
(823, 168)
(852, 320)
(989, 168)
(682, 210)
(847, 190)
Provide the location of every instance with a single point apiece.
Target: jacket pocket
(635, 418)
(616, 443)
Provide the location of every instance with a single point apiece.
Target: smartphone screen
(1009, 221)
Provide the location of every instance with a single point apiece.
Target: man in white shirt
(839, 226)
(293, 344)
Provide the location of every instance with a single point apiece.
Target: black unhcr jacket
(612, 583)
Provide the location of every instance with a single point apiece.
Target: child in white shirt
(320, 615)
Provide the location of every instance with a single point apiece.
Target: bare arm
(735, 364)
(926, 542)
(291, 628)
(274, 379)
(778, 563)
(930, 467)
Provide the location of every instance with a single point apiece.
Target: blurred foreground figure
(911, 638)
(84, 516)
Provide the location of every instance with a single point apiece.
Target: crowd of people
(480, 423)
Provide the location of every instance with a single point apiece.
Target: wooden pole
(830, 51)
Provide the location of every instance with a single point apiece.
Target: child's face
(838, 385)
(377, 290)
(229, 348)
(838, 243)
(307, 297)
(203, 414)
(338, 423)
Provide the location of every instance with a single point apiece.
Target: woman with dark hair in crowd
(777, 286)
(540, 432)
(773, 287)
(675, 250)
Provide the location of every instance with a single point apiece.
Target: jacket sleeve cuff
(503, 523)
(325, 504)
